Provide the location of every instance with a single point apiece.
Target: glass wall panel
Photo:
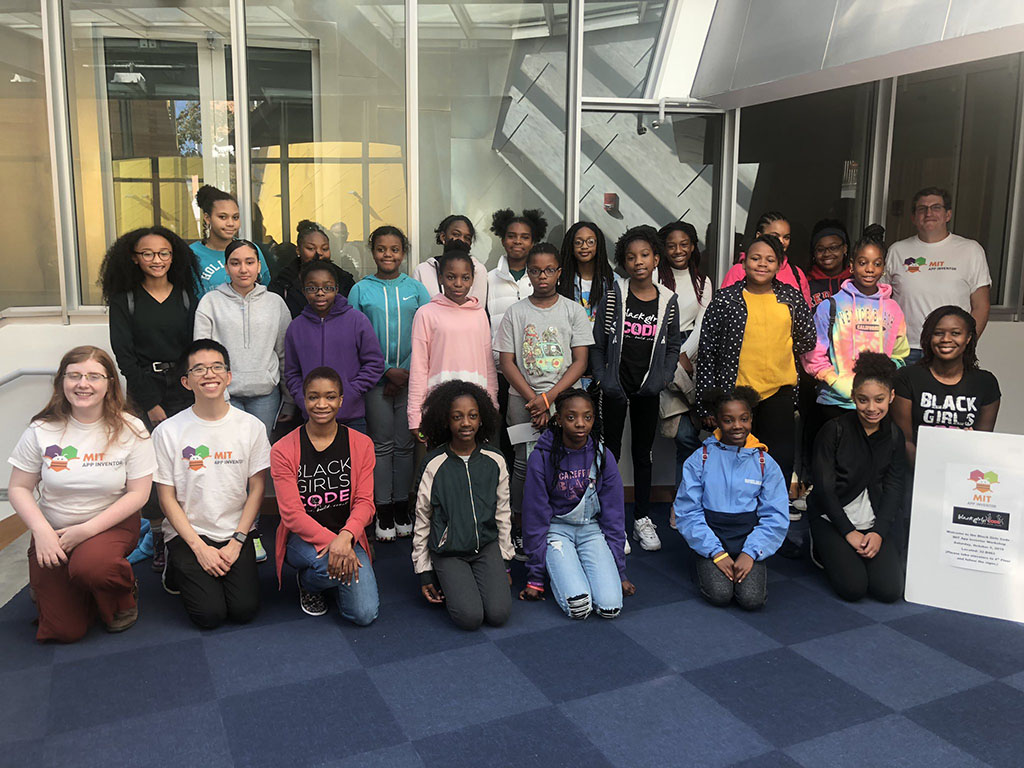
(29, 262)
(492, 115)
(151, 118)
(806, 157)
(618, 47)
(635, 170)
(327, 121)
(954, 128)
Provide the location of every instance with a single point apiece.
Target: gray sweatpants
(387, 423)
(475, 587)
(717, 589)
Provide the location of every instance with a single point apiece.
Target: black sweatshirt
(155, 333)
(847, 460)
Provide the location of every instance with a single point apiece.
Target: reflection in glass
(618, 47)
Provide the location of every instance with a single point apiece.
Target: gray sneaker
(311, 603)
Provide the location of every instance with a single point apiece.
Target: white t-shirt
(81, 472)
(209, 463)
(926, 276)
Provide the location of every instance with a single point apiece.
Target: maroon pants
(96, 579)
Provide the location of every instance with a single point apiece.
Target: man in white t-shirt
(935, 268)
(211, 465)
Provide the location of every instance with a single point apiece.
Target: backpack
(131, 302)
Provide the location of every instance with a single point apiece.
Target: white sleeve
(259, 448)
(980, 275)
(163, 447)
(141, 459)
(27, 454)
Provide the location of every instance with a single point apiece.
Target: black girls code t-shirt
(934, 404)
(325, 480)
(638, 334)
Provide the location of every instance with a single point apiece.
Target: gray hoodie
(252, 328)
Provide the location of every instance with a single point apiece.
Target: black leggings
(643, 425)
(775, 426)
(852, 576)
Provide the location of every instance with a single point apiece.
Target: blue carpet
(809, 681)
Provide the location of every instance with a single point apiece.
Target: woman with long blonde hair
(92, 463)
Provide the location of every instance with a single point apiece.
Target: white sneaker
(627, 549)
(645, 531)
(383, 534)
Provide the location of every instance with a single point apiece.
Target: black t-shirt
(934, 404)
(325, 480)
(638, 336)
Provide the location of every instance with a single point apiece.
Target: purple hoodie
(344, 341)
(548, 494)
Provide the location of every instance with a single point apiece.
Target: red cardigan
(284, 468)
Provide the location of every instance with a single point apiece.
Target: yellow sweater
(766, 357)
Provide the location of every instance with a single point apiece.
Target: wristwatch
(240, 537)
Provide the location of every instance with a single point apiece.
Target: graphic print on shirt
(572, 482)
(542, 352)
(60, 457)
(197, 457)
(640, 325)
(922, 264)
(325, 485)
(956, 411)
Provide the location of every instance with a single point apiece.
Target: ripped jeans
(583, 573)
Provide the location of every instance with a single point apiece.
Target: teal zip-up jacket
(390, 305)
(461, 507)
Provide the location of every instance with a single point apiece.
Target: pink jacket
(789, 273)
(449, 341)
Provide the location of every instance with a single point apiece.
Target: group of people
(482, 414)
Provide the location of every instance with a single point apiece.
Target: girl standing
(221, 220)
(830, 264)
(775, 223)
(859, 471)
(92, 464)
(329, 332)
(635, 352)
(451, 338)
(390, 300)
(732, 507)
(586, 272)
(461, 540)
(507, 283)
(753, 335)
(148, 278)
(455, 227)
(574, 515)
(311, 244)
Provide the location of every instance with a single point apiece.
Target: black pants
(852, 576)
(175, 399)
(775, 426)
(212, 600)
(643, 425)
(475, 587)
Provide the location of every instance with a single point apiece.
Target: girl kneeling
(859, 469)
(732, 507)
(461, 537)
(574, 514)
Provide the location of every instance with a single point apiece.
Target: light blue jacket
(732, 481)
(390, 305)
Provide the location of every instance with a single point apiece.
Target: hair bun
(874, 232)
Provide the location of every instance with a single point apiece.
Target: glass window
(492, 116)
(327, 121)
(806, 157)
(150, 116)
(635, 170)
(26, 218)
(954, 128)
(618, 47)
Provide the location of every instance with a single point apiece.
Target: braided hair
(558, 451)
(665, 274)
(604, 278)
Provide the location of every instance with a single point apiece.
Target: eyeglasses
(313, 290)
(921, 210)
(92, 378)
(154, 255)
(201, 370)
(831, 250)
(547, 271)
(590, 242)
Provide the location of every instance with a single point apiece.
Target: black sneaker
(311, 603)
(517, 542)
(169, 580)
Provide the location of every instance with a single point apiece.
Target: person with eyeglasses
(148, 278)
(210, 477)
(330, 332)
(586, 272)
(542, 345)
(830, 261)
(92, 464)
(936, 268)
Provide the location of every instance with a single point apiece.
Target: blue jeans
(583, 573)
(357, 602)
(263, 407)
(687, 441)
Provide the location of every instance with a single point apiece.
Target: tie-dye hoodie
(862, 324)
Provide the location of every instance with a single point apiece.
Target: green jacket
(460, 507)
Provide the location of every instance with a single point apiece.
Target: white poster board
(967, 526)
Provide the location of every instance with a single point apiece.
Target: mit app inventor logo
(196, 457)
(60, 457)
(983, 481)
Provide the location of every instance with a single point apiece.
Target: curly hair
(604, 278)
(874, 366)
(665, 274)
(643, 233)
(714, 399)
(119, 273)
(558, 451)
(447, 221)
(438, 406)
(531, 217)
(931, 322)
(385, 230)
